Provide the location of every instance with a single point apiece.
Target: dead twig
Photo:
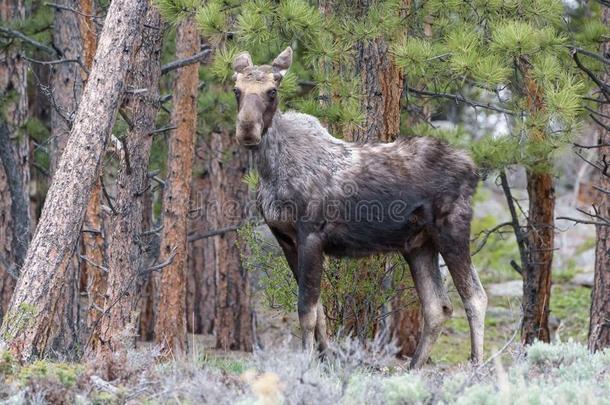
(177, 64)
(26, 39)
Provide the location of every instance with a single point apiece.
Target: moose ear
(282, 63)
(242, 61)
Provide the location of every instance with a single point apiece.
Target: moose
(321, 195)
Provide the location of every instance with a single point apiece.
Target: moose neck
(274, 151)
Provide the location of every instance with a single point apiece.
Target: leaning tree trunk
(170, 328)
(599, 327)
(14, 171)
(26, 325)
(67, 85)
(126, 264)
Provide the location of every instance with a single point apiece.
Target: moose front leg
(291, 254)
(310, 267)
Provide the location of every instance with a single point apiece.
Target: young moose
(321, 195)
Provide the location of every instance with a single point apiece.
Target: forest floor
(562, 372)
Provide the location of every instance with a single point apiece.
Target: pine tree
(509, 57)
(26, 325)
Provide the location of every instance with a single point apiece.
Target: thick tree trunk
(170, 328)
(126, 247)
(537, 272)
(26, 325)
(14, 171)
(67, 84)
(233, 312)
(382, 87)
(599, 327)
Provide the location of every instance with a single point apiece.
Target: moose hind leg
(310, 267)
(456, 252)
(435, 303)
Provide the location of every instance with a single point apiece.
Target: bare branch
(161, 266)
(459, 99)
(192, 238)
(590, 54)
(153, 231)
(62, 7)
(486, 234)
(163, 129)
(177, 64)
(603, 86)
(92, 263)
(586, 222)
(56, 62)
(25, 38)
(521, 241)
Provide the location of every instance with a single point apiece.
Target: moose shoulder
(321, 195)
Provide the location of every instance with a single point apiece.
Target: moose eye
(272, 93)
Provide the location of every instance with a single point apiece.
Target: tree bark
(540, 237)
(537, 271)
(201, 271)
(126, 263)
(14, 172)
(382, 86)
(234, 320)
(599, 327)
(67, 84)
(26, 325)
(170, 328)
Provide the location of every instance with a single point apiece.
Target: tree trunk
(126, 261)
(201, 280)
(170, 329)
(599, 327)
(14, 171)
(540, 237)
(382, 86)
(67, 84)
(26, 325)
(537, 272)
(233, 312)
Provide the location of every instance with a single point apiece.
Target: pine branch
(459, 99)
(177, 64)
(25, 38)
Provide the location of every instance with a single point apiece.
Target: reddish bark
(170, 328)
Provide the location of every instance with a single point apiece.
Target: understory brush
(351, 373)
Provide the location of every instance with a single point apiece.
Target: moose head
(256, 92)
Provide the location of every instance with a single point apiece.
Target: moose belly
(368, 238)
